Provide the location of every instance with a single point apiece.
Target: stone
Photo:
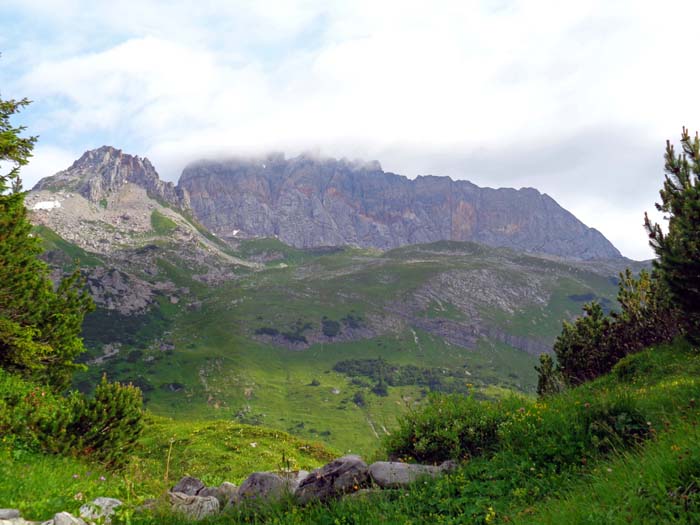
(227, 492)
(224, 492)
(449, 465)
(9, 514)
(262, 485)
(100, 508)
(342, 476)
(65, 518)
(188, 485)
(392, 474)
(194, 507)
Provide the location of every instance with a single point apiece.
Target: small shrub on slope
(105, 427)
(595, 342)
(449, 426)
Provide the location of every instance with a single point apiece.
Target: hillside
(308, 202)
(268, 345)
(258, 331)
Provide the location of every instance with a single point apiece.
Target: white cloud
(46, 161)
(473, 89)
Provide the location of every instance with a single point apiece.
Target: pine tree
(39, 326)
(678, 250)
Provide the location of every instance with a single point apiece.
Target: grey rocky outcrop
(308, 202)
(342, 476)
(194, 507)
(100, 172)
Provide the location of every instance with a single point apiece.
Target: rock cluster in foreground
(342, 477)
(345, 476)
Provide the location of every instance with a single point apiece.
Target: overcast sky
(574, 98)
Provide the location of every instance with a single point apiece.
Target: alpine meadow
(234, 334)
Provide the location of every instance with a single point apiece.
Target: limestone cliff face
(307, 202)
(100, 172)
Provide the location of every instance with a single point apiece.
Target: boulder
(100, 508)
(227, 492)
(65, 518)
(188, 485)
(392, 474)
(9, 514)
(224, 492)
(194, 507)
(262, 485)
(342, 476)
(448, 466)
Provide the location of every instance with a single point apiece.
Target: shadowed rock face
(100, 172)
(308, 202)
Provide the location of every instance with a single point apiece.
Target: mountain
(99, 173)
(126, 227)
(261, 332)
(308, 202)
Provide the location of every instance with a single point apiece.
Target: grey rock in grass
(342, 476)
(224, 492)
(194, 507)
(392, 474)
(449, 465)
(227, 492)
(262, 485)
(9, 514)
(100, 508)
(66, 518)
(188, 485)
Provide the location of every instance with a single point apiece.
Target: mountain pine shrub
(592, 345)
(105, 426)
(40, 328)
(678, 249)
(40, 325)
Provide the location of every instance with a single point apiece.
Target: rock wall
(308, 202)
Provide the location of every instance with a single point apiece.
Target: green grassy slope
(209, 362)
(40, 485)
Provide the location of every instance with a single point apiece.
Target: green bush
(105, 426)
(564, 431)
(110, 423)
(330, 328)
(449, 426)
(595, 342)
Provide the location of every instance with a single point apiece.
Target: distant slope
(307, 202)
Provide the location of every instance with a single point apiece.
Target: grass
(228, 373)
(161, 224)
(40, 485)
(222, 371)
(64, 253)
(548, 465)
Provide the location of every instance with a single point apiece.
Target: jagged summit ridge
(103, 171)
(307, 201)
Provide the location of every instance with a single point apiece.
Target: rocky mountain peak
(103, 171)
(309, 201)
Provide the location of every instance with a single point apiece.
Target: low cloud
(573, 99)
